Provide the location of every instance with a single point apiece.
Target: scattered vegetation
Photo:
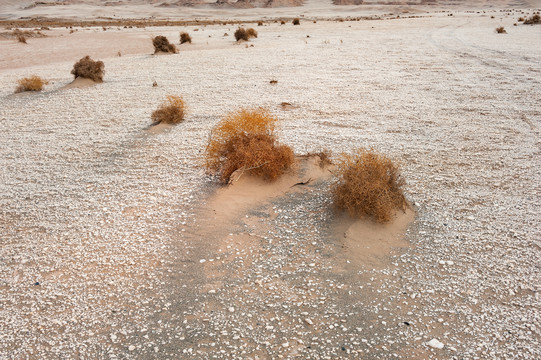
(161, 44)
(274, 81)
(21, 38)
(282, 22)
(520, 19)
(368, 184)
(33, 83)
(534, 19)
(89, 69)
(245, 140)
(171, 111)
(185, 38)
(260, 23)
(501, 30)
(296, 21)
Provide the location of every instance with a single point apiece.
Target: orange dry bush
(501, 30)
(251, 33)
(368, 184)
(161, 44)
(245, 140)
(185, 38)
(296, 21)
(241, 34)
(33, 83)
(89, 69)
(171, 111)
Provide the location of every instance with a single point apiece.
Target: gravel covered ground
(105, 252)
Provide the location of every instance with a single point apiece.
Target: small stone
(435, 343)
(285, 345)
(131, 348)
(308, 321)
(231, 309)
(113, 337)
(202, 261)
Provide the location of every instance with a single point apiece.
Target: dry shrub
(89, 69)
(501, 30)
(251, 33)
(185, 38)
(21, 38)
(161, 44)
(260, 23)
(245, 140)
(521, 19)
(282, 22)
(170, 111)
(33, 83)
(368, 184)
(296, 21)
(534, 19)
(240, 34)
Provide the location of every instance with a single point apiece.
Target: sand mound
(367, 243)
(79, 83)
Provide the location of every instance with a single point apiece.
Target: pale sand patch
(79, 83)
(368, 243)
(245, 192)
(158, 128)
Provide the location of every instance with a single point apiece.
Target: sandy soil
(116, 244)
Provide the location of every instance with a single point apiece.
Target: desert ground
(115, 243)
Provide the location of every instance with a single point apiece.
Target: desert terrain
(115, 243)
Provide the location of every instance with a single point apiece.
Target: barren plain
(115, 243)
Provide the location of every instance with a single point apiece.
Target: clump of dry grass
(89, 69)
(161, 44)
(368, 184)
(245, 34)
(501, 30)
(245, 140)
(171, 111)
(21, 38)
(185, 38)
(296, 21)
(240, 34)
(33, 83)
(251, 33)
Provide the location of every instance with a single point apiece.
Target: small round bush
(251, 33)
(185, 38)
(33, 83)
(89, 69)
(368, 184)
(171, 111)
(241, 34)
(296, 21)
(161, 44)
(501, 30)
(245, 140)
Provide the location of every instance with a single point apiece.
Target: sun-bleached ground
(113, 222)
